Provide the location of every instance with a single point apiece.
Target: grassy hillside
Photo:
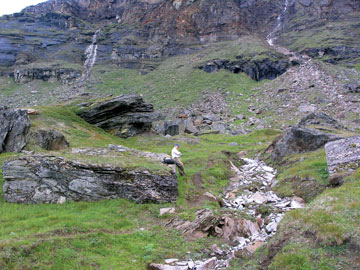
(115, 234)
(323, 236)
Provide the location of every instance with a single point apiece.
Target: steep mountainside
(135, 31)
(262, 96)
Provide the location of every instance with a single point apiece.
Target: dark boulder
(125, 116)
(50, 139)
(49, 179)
(256, 69)
(171, 129)
(319, 118)
(353, 87)
(14, 130)
(296, 140)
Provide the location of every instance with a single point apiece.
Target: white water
(90, 54)
(271, 37)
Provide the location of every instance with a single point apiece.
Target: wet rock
(124, 116)
(50, 139)
(343, 156)
(49, 179)
(14, 129)
(299, 140)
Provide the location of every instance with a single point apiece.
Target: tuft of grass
(305, 175)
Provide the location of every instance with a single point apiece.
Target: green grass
(297, 257)
(306, 175)
(115, 234)
(177, 82)
(7, 86)
(323, 236)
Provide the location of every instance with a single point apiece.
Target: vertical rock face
(343, 156)
(125, 115)
(14, 130)
(35, 179)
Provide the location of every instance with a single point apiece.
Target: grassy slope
(326, 234)
(178, 82)
(323, 236)
(342, 31)
(116, 234)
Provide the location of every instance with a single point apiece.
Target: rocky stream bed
(250, 189)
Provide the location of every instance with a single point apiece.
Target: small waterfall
(271, 37)
(90, 54)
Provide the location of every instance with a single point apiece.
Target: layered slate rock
(343, 156)
(14, 129)
(256, 69)
(54, 179)
(296, 140)
(50, 139)
(124, 116)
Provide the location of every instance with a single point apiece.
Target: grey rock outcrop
(124, 116)
(63, 75)
(50, 139)
(319, 118)
(51, 179)
(296, 140)
(343, 156)
(257, 69)
(14, 130)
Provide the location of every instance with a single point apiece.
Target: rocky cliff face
(132, 31)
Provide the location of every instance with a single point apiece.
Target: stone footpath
(249, 191)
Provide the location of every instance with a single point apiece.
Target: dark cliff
(131, 31)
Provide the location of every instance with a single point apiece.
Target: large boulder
(319, 118)
(124, 116)
(296, 140)
(50, 139)
(53, 179)
(343, 156)
(14, 130)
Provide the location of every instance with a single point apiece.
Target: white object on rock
(164, 211)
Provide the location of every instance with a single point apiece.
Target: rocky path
(249, 192)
